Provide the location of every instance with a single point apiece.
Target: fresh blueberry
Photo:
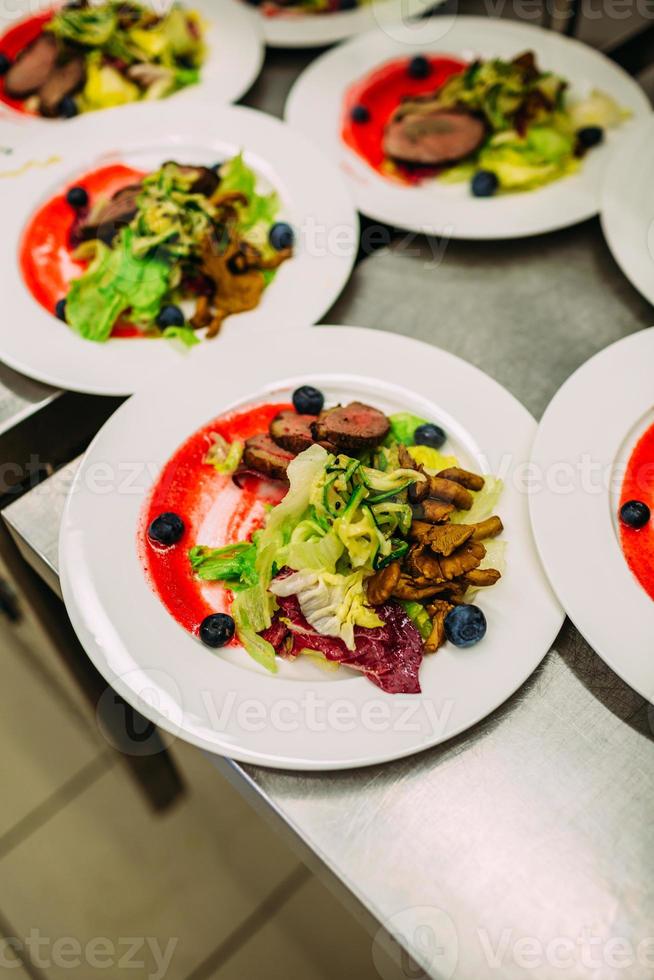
(465, 626)
(281, 236)
(359, 114)
(170, 316)
(166, 529)
(60, 309)
(5, 63)
(590, 136)
(635, 514)
(217, 630)
(308, 400)
(68, 107)
(429, 435)
(77, 198)
(419, 67)
(484, 183)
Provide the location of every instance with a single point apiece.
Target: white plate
(299, 30)
(584, 442)
(140, 649)
(313, 199)
(315, 107)
(628, 207)
(235, 52)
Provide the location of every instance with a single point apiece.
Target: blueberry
(429, 435)
(465, 626)
(68, 107)
(359, 114)
(419, 67)
(60, 309)
(217, 630)
(484, 183)
(77, 198)
(635, 514)
(590, 136)
(281, 236)
(308, 400)
(166, 529)
(5, 63)
(170, 316)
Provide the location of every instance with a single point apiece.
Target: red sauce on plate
(214, 510)
(638, 545)
(46, 254)
(14, 41)
(381, 92)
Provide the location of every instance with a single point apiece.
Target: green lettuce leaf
(233, 564)
(186, 335)
(235, 175)
(403, 426)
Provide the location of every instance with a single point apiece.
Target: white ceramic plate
(235, 53)
(584, 442)
(145, 655)
(313, 199)
(315, 107)
(628, 207)
(298, 30)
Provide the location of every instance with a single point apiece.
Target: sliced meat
(206, 181)
(430, 136)
(355, 426)
(32, 67)
(266, 457)
(471, 481)
(450, 492)
(380, 586)
(292, 431)
(63, 81)
(436, 511)
(117, 213)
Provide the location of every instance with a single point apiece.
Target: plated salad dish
(85, 56)
(169, 253)
(293, 8)
(498, 124)
(341, 534)
(635, 515)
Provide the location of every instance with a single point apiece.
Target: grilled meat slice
(381, 585)
(451, 492)
(422, 132)
(266, 457)
(292, 431)
(438, 610)
(351, 427)
(32, 67)
(117, 213)
(436, 511)
(471, 481)
(62, 81)
(490, 528)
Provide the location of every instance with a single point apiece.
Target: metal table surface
(523, 847)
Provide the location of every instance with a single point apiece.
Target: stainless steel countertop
(523, 847)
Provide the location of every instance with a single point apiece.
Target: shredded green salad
(131, 53)
(342, 519)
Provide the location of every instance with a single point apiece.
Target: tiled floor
(204, 891)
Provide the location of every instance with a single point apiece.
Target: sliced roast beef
(32, 67)
(117, 213)
(206, 180)
(355, 426)
(62, 81)
(292, 431)
(266, 457)
(425, 134)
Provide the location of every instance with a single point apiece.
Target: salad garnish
(93, 56)
(500, 125)
(373, 556)
(174, 254)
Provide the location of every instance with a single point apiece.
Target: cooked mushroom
(471, 481)
(380, 587)
(489, 528)
(451, 492)
(438, 611)
(436, 511)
